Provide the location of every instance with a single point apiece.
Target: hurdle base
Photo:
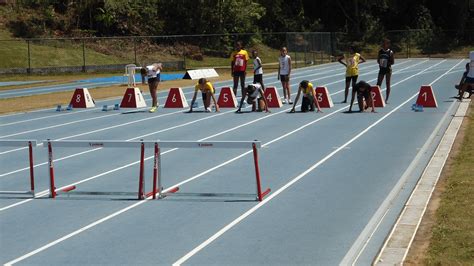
(32, 193)
(265, 193)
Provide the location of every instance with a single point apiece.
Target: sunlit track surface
(312, 216)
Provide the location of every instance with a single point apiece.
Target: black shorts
(363, 94)
(204, 96)
(239, 73)
(385, 71)
(353, 78)
(307, 104)
(284, 78)
(258, 78)
(158, 78)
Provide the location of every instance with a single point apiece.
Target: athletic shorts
(353, 78)
(158, 78)
(385, 71)
(469, 80)
(204, 96)
(239, 73)
(284, 78)
(258, 78)
(307, 104)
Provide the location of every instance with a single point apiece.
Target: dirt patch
(418, 252)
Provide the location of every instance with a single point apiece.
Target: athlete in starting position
(255, 96)
(207, 91)
(309, 98)
(364, 97)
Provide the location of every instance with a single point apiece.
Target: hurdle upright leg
(32, 172)
(260, 195)
(141, 183)
(52, 188)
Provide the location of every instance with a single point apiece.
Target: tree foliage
(364, 20)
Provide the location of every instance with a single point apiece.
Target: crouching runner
(309, 98)
(364, 97)
(255, 96)
(207, 91)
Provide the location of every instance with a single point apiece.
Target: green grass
(452, 242)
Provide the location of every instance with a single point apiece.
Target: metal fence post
(135, 49)
(83, 55)
(28, 70)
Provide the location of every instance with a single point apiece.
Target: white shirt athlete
(284, 65)
(153, 70)
(470, 74)
(257, 66)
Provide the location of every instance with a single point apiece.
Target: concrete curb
(397, 245)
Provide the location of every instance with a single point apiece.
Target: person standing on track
(284, 71)
(364, 97)
(153, 74)
(257, 69)
(255, 96)
(238, 66)
(385, 60)
(207, 90)
(352, 69)
(469, 81)
(309, 98)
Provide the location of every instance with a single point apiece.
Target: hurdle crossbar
(21, 143)
(94, 144)
(254, 145)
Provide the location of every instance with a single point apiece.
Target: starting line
(157, 176)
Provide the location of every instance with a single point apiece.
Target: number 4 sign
(82, 99)
(426, 97)
(273, 99)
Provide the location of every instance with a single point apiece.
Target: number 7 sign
(426, 97)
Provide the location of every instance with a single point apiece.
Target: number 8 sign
(82, 99)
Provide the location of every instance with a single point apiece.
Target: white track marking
(365, 236)
(289, 184)
(45, 192)
(36, 251)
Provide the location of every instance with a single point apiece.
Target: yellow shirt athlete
(309, 100)
(352, 69)
(207, 91)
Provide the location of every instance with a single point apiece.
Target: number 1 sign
(426, 97)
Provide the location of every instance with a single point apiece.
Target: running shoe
(289, 101)
(284, 101)
(153, 109)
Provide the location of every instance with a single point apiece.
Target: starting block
(417, 108)
(323, 97)
(59, 108)
(377, 98)
(227, 98)
(107, 108)
(273, 98)
(426, 97)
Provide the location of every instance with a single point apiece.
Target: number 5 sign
(82, 99)
(227, 98)
(426, 97)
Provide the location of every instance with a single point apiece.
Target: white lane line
(45, 192)
(107, 128)
(99, 117)
(36, 251)
(365, 236)
(298, 72)
(289, 184)
(135, 121)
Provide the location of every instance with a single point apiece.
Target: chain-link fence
(213, 50)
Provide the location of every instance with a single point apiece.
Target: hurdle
(253, 145)
(94, 144)
(22, 143)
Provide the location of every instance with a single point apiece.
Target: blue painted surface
(314, 221)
